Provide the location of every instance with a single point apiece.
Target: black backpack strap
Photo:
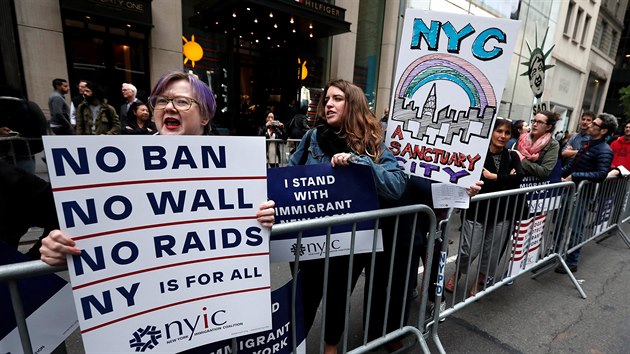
(307, 144)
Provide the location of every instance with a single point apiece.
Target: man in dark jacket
(591, 163)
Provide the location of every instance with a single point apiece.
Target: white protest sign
(172, 254)
(450, 76)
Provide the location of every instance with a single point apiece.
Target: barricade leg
(393, 336)
(20, 317)
(572, 277)
(621, 233)
(624, 237)
(550, 264)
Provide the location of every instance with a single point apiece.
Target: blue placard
(316, 191)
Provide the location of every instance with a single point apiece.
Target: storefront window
(108, 56)
(255, 58)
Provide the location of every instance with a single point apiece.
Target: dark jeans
(312, 278)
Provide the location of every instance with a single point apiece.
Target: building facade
(620, 77)
(278, 54)
(578, 38)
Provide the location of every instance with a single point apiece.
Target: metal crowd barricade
(596, 209)
(11, 274)
(507, 241)
(398, 248)
(599, 209)
(8, 147)
(395, 249)
(621, 214)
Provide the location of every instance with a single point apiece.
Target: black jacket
(592, 162)
(504, 207)
(25, 201)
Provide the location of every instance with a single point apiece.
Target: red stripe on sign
(184, 222)
(167, 266)
(164, 180)
(171, 305)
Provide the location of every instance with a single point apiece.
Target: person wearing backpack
(94, 115)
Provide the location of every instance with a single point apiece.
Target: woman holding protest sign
(347, 133)
(538, 150)
(483, 232)
(183, 105)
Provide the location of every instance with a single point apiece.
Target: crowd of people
(347, 133)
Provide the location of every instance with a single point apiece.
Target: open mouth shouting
(171, 123)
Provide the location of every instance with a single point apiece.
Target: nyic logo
(315, 248)
(145, 338)
(294, 249)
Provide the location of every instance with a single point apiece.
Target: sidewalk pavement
(547, 315)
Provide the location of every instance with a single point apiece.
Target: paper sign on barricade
(527, 239)
(172, 254)
(315, 191)
(547, 199)
(47, 305)
(603, 218)
(450, 76)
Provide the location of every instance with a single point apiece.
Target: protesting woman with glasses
(347, 133)
(183, 105)
(487, 223)
(538, 150)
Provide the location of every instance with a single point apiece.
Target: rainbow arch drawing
(443, 66)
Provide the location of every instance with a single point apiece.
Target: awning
(266, 17)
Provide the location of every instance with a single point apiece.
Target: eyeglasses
(597, 125)
(536, 121)
(181, 103)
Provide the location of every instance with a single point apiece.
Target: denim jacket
(389, 177)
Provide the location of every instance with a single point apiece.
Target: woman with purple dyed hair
(182, 105)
